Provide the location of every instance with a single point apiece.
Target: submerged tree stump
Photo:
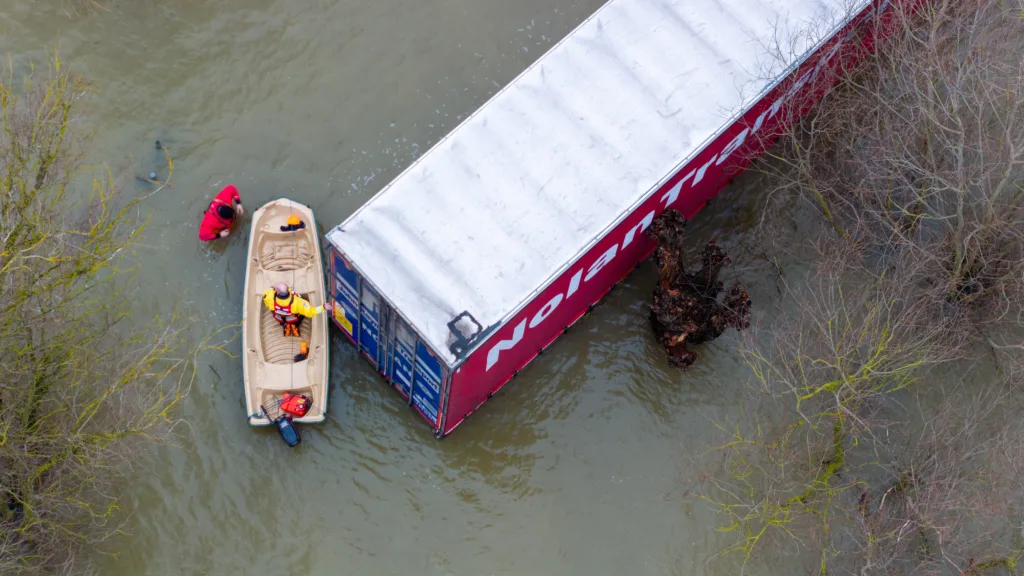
(686, 307)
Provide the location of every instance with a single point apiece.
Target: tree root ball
(686, 308)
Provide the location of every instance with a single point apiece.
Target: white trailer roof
(511, 197)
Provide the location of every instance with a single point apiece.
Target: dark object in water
(158, 145)
(289, 433)
(686, 307)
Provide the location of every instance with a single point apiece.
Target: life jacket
(283, 312)
(296, 404)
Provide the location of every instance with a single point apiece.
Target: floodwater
(583, 464)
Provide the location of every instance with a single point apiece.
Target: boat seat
(284, 251)
(285, 377)
(302, 282)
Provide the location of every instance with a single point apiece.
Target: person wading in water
(289, 308)
(221, 214)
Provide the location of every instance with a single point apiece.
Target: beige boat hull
(268, 366)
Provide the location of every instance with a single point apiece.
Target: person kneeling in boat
(289, 308)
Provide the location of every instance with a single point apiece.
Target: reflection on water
(574, 467)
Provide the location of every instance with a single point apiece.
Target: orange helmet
(293, 220)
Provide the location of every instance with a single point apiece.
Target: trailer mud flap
(345, 291)
(370, 313)
(427, 380)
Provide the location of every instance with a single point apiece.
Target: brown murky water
(582, 465)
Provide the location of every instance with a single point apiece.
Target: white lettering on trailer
(638, 228)
(702, 171)
(517, 335)
(601, 261)
(733, 146)
(546, 310)
(668, 199)
(574, 284)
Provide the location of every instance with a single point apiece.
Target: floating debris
(686, 307)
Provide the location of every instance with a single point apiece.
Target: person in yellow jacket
(289, 308)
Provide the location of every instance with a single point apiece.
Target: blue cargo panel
(345, 291)
(401, 361)
(369, 324)
(426, 391)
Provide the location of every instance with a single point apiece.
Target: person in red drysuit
(221, 214)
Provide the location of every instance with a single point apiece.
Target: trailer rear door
(370, 313)
(428, 379)
(402, 350)
(345, 290)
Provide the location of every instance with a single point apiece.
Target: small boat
(269, 366)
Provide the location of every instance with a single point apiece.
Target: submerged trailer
(505, 233)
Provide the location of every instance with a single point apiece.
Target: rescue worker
(221, 214)
(289, 309)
